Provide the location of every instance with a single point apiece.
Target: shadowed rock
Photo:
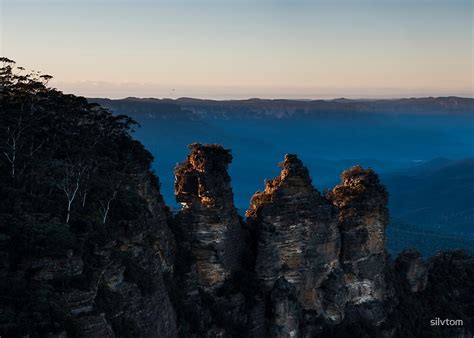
(209, 219)
(412, 267)
(298, 239)
(128, 287)
(363, 218)
(287, 313)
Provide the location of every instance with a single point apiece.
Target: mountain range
(280, 108)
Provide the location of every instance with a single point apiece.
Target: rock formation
(298, 240)
(209, 220)
(286, 311)
(412, 267)
(430, 291)
(121, 289)
(302, 265)
(211, 236)
(363, 218)
(128, 292)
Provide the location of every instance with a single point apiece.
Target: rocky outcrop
(286, 310)
(449, 292)
(94, 326)
(363, 218)
(212, 239)
(117, 288)
(414, 270)
(330, 249)
(128, 288)
(302, 265)
(298, 240)
(209, 221)
(164, 242)
(433, 297)
(49, 268)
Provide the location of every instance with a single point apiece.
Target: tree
(64, 165)
(105, 205)
(70, 184)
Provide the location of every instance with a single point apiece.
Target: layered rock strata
(209, 220)
(112, 286)
(303, 265)
(363, 218)
(127, 291)
(212, 239)
(298, 239)
(286, 310)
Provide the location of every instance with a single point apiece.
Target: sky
(240, 49)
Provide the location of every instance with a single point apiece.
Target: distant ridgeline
(88, 247)
(189, 108)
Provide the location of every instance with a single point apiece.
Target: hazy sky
(237, 49)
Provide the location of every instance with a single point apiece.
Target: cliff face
(209, 219)
(212, 239)
(150, 249)
(413, 269)
(127, 292)
(286, 311)
(433, 290)
(303, 264)
(114, 289)
(327, 253)
(298, 241)
(363, 218)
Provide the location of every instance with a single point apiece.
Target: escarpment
(212, 238)
(298, 241)
(302, 264)
(129, 277)
(330, 249)
(209, 220)
(413, 269)
(85, 244)
(108, 287)
(363, 217)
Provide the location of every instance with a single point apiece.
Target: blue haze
(327, 146)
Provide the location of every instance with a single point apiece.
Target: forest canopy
(67, 171)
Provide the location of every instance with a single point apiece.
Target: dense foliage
(67, 172)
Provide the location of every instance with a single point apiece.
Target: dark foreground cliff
(88, 247)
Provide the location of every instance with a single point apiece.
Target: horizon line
(281, 98)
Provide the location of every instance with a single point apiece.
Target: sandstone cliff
(298, 241)
(114, 289)
(328, 253)
(212, 238)
(413, 269)
(363, 217)
(302, 264)
(128, 281)
(209, 219)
